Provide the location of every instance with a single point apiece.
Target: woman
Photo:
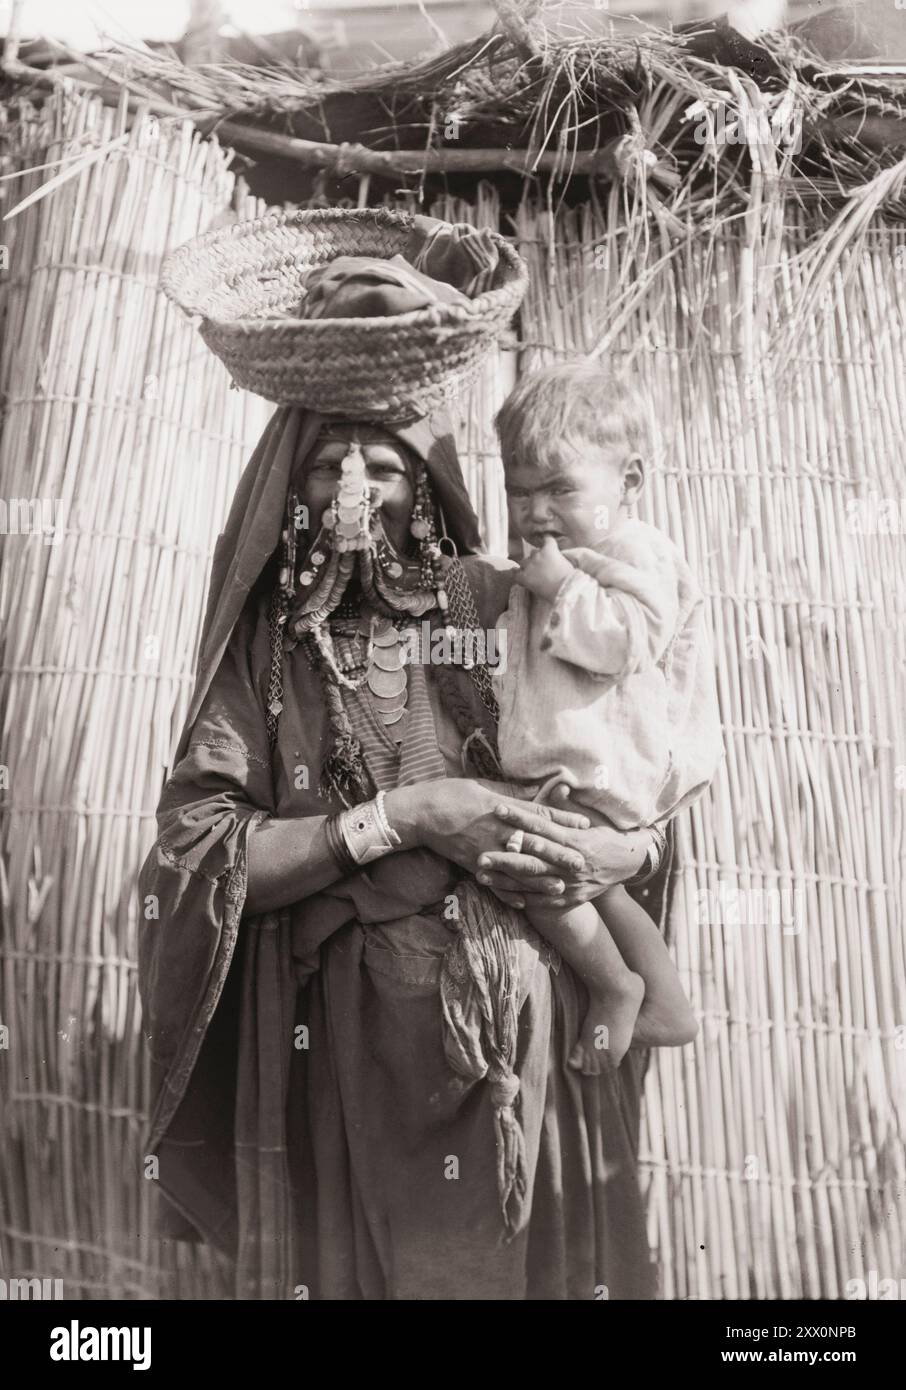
(361, 1092)
(306, 1117)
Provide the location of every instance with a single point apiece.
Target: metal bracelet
(654, 857)
(658, 849)
(364, 832)
(381, 811)
(337, 844)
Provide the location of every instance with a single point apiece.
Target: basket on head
(391, 368)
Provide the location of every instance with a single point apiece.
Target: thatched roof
(692, 109)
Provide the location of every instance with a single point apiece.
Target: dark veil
(253, 528)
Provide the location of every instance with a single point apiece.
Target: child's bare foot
(607, 1030)
(660, 1025)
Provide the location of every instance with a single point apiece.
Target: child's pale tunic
(611, 687)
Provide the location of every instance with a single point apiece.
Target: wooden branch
(340, 159)
(873, 131)
(358, 159)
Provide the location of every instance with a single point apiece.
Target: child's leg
(615, 992)
(666, 1017)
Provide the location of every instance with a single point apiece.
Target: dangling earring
(421, 525)
(422, 528)
(386, 560)
(287, 577)
(289, 556)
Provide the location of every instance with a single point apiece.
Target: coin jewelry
(346, 598)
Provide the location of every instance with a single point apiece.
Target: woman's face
(387, 467)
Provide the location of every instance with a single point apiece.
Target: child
(609, 682)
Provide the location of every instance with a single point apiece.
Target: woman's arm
(288, 859)
(456, 818)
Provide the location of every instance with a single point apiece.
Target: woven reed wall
(113, 406)
(773, 1149)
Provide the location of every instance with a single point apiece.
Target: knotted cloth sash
(484, 982)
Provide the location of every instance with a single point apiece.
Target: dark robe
(305, 1117)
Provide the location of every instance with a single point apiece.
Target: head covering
(253, 527)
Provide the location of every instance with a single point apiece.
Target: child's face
(575, 497)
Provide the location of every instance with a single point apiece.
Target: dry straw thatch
(758, 288)
(492, 105)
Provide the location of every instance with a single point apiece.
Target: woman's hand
(458, 818)
(608, 856)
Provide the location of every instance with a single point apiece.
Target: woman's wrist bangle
(381, 811)
(658, 850)
(337, 845)
(654, 858)
(366, 832)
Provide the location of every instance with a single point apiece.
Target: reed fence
(773, 1150)
(122, 428)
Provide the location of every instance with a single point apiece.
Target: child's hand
(544, 570)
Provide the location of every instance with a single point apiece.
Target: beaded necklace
(346, 602)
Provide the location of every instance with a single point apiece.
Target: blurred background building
(352, 34)
(344, 36)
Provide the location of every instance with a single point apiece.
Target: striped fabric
(397, 755)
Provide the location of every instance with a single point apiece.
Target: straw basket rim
(392, 366)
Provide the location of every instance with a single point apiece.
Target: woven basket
(391, 368)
